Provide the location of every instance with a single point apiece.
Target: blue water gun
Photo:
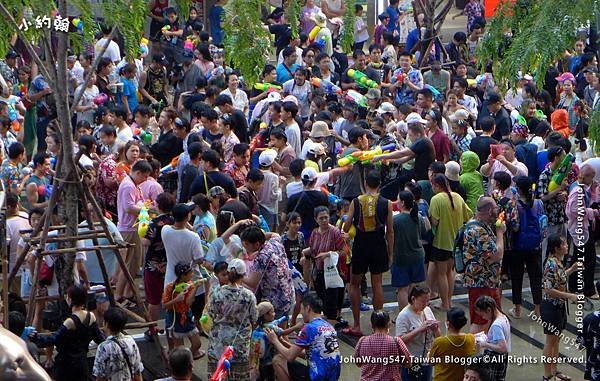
(263, 224)
(276, 323)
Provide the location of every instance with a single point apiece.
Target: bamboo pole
(68, 238)
(78, 249)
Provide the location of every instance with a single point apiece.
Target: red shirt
(441, 143)
(377, 347)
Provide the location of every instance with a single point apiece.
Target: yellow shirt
(455, 347)
(450, 220)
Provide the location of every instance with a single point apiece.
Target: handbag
(417, 372)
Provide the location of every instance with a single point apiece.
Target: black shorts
(198, 306)
(439, 255)
(369, 253)
(554, 317)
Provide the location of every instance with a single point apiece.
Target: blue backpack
(533, 225)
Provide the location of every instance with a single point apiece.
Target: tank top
(155, 82)
(370, 212)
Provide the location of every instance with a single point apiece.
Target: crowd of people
(270, 203)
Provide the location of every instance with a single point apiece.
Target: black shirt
(189, 174)
(213, 179)
(424, 156)
(481, 146)
(156, 254)
(283, 36)
(305, 203)
(239, 209)
(239, 125)
(503, 124)
(167, 147)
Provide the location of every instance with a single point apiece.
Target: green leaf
(347, 37)
(292, 15)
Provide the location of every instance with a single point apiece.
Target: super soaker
(143, 220)
(561, 172)
(170, 167)
(333, 199)
(365, 157)
(361, 79)
(356, 97)
(266, 86)
(313, 33)
(324, 84)
(223, 365)
(501, 219)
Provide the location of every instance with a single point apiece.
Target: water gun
(501, 219)
(223, 365)
(561, 172)
(165, 28)
(146, 136)
(181, 287)
(77, 23)
(436, 93)
(326, 85)
(258, 141)
(401, 77)
(276, 323)
(322, 41)
(206, 323)
(44, 190)
(313, 33)
(365, 157)
(170, 167)
(144, 46)
(266, 86)
(361, 79)
(26, 332)
(263, 224)
(16, 126)
(333, 199)
(143, 220)
(356, 97)
(471, 82)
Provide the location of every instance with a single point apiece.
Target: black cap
(12, 54)
(181, 211)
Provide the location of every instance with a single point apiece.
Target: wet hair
(253, 234)
(409, 203)
(380, 319)
(484, 303)
(267, 70)
(416, 291)
(78, 296)
(115, 318)
(320, 209)
(442, 182)
(524, 186)
(456, 317)
(373, 179)
(503, 179)
(313, 301)
(15, 149)
(39, 158)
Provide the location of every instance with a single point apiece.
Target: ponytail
(525, 187)
(441, 181)
(409, 203)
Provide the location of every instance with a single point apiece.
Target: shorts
(153, 286)
(554, 316)
(403, 276)
(474, 294)
(198, 306)
(439, 255)
(369, 253)
(133, 255)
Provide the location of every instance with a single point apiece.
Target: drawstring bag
(331, 274)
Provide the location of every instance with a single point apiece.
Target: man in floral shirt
(406, 80)
(555, 202)
(11, 170)
(483, 252)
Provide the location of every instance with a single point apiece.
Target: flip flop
(561, 376)
(352, 332)
(201, 354)
(594, 297)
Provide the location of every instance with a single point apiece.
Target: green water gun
(559, 175)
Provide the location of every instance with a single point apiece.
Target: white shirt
(13, 226)
(298, 62)
(293, 136)
(297, 186)
(269, 193)
(182, 246)
(112, 50)
(124, 136)
(302, 93)
(89, 93)
(240, 101)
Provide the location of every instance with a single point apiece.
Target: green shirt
(408, 250)
(450, 219)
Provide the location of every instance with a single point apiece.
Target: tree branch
(34, 55)
(86, 81)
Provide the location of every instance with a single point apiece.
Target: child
(128, 98)
(294, 243)
(361, 34)
(270, 193)
(229, 139)
(261, 353)
(179, 320)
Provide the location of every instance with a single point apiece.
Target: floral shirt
(110, 363)
(507, 203)
(472, 10)
(237, 174)
(479, 245)
(156, 255)
(405, 94)
(233, 311)
(228, 142)
(11, 176)
(275, 284)
(555, 207)
(555, 278)
(107, 194)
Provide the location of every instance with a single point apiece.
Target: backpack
(533, 225)
(370, 212)
(459, 247)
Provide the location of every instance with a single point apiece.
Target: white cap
(273, 96)
(413, 117)
(238, 265)
(290, 98)
(267, 157)
(309, 174)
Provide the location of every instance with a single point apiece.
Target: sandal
(594, 297)
(561, 376)
(513, 312)
(352, 332)
(549, 378)
(200, 354)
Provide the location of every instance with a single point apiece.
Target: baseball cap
(413, 117)
(317, 149)
(238, 265)
(215, 191)
(373, 94)
(309, 174)
(386, 107)
(181, 211)
(267, 157)
(591, 69)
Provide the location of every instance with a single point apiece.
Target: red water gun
(258, 141)
(223, 365)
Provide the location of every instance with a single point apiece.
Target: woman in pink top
(308, 11)
(380, 345)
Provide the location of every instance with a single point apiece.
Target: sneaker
(341, 323)
(364, 307)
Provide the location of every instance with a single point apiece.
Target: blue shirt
(412, 39)
(394, 16)
(319, 339)
(283, 74)
(129, 91)
(215, 18)
(542, 161)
